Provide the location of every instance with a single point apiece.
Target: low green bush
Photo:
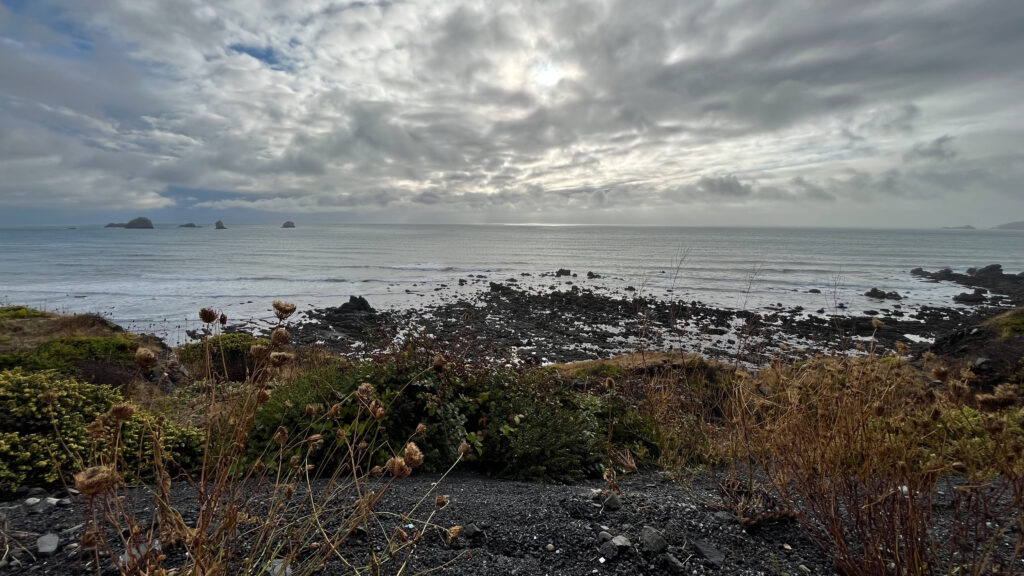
(45, 432)
(20, 313)
(228, 355)
(66, 355)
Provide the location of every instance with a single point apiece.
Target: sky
(633, 112)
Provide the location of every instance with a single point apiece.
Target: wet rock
(592, 275)
(563, 272)
(288, 224)
(219, 225)
(882, 295)
(471, 531)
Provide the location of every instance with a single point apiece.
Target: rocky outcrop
(288, 224)
(1011, 226)
(991, 278)
(140, 223)
(882, 295)
(220, 225)
(189, 225)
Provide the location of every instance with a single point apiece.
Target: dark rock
(356, 304)
(592, 275)
(725, 516)
(140, 223)
(972, 298)
(288, 224)
(563, 272)
(652, 541)
(814, 291)
(219, 225)
(189, 225)
(471, 531)
(36, 491)
(882, 295)
(709, 553)
(603, 536)
(47, 544)
(609, 550)
(611, 502)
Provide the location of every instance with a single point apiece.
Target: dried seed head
(902, 349)
(609, 383)
(342, 434)
(278, 359)
(439, 363)
(280, 337)
(121, 412)
(365, 392)
(281, 436)
(465, 450)
(440, 501)
(401, 535)
(283, 309)
(334, 410)
(311, 409)
(362, 446)
(376, 471)
(454, 533)
(397, 467)
(413, 456)
(262, 396)
(940, 373)
(315, 439)
(48, 397)
(259, 351)
(223, 319)
(376, 409)
(421, 429)
(145, 357)
(208, 315)
(96, 480)
(877, 324)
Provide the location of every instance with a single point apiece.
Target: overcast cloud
(650, 112)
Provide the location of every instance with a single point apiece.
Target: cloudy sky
(616, 112)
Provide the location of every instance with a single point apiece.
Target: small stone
(621, 542)
(73, 529)
(710, 553)
(725, 516)
(52, 501)
(652, 540)
(36, 491)
(673, 564)
(609, 550)
(805, 568)
(279, 567)
(30, 502)
(64, 502)
(787, 547)
(47, 544)
(603, 536)
(612, 502)
(550, 547)
(472, 531)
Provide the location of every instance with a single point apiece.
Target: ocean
(156, 280)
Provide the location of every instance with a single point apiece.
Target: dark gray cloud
(525, 110)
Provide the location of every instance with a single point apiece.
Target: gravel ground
(510, 528)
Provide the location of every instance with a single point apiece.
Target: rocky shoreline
(542, 325)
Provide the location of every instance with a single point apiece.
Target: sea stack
(140, 223)
(220, 225)
(189, 225)
(288, 224)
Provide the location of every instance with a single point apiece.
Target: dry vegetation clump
(858, 448)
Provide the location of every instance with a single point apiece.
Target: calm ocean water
(156, 280)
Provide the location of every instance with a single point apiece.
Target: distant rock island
(288, 224)
(138, 223)
(220, 225)
(1011, 226)
(964, 227)
(189, 225)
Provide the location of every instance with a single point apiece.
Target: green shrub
(20, 313)
(228, 355)
(45, 429)
(538, 429)
(67, 355)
